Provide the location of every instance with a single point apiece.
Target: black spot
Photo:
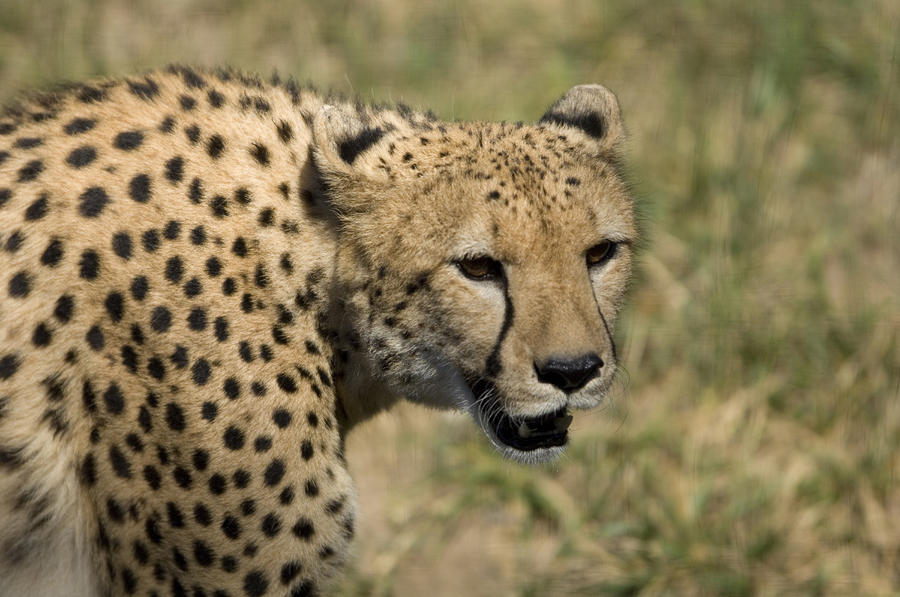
(281, 418)
(128, 140)
(172, 229)
(5, 194)
(213, 267)
(203, 553)
(290, 571)
(139, 287)
(200, 372)
(187, 102)
(175, 169)
(202, 515)
(274, 472)
(260, 153)
(262, 444)
(197, 319)
(247, 303)
(88, 472)
(258, 388)
(312, 419)
(231, 528)
(28, 142)
(304, 529)
(115, 306)
(176, 518)
(192, 287)
(119, 462)
(306, 449)
(14, 242)
(89, 95)
(229, 564)
(129, 358)
(179, 357)
(139, 188)
(182, 477)
(175, 417)
(146, 90)
(19, 285)
(215, 146)
(241, 478)
(215, 98)
(81, 156)
(121, 243)
(233, 438)
(266, 217)
(150, 240)
(573, 181)
(89, 264)
(9, 364)
(286, 383)
(31, 170)
(114, 510)
(219, 206)
(311, 488)
(232, 388)
(41, 336)
(195, 192)
(285, 263)
(63, 309)
(95, 338)
(243, 196)
(255, 584)
(221, 329)
(137, 334)
(239, 247)
(53, 253)
(93, 201)
(350, 149)
(113, 399)
(144, 419)
(493, 195)
(174, 269)
(260, 278)
(209, 411)
(79, 125)
(248, 507)
(37, 209)
(193, 133)
(229, 286)
(198, 235)
(285, 133)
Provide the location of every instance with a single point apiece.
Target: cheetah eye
(480, 268)
(600, 253)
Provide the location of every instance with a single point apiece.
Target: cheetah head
(482, 264)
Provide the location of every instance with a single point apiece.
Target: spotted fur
(206, 280)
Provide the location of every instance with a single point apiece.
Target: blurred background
(753, 448)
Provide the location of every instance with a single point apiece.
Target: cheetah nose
(569, 375)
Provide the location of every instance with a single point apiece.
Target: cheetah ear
(594, 110)
(340, 136)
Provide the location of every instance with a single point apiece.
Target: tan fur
(337, 251)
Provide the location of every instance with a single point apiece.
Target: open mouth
(521, 433)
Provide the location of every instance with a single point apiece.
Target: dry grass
(756, 449)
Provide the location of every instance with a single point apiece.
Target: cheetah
(207, 279)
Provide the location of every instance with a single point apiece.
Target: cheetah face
(483, 264)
